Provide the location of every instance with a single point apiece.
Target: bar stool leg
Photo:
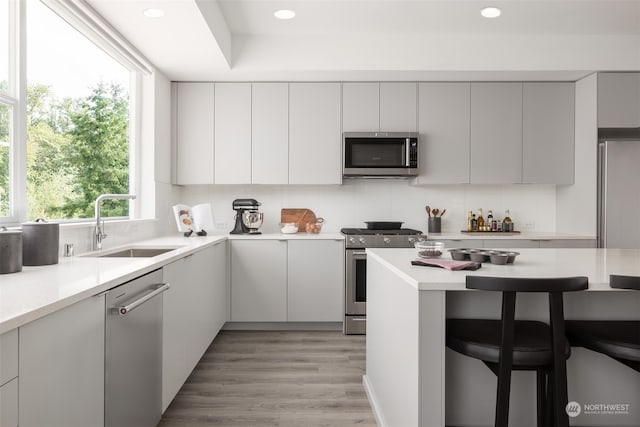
(558, 340)
(541, 398)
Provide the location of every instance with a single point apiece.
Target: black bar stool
(618, 339)
(508, 344)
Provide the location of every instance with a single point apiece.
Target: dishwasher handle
(123, 310)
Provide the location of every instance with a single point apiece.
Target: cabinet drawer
(459, 243)
(8, 356)
(568, 243)
(511, 243)
(9, 404)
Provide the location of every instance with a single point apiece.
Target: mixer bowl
(252, 220)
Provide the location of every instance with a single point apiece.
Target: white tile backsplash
(533, 207)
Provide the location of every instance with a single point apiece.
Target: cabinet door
(270, 133)
(399, 107)
(232, 133)
(258, 280)
(316, 281)
(459, 243)
(360, 107)
(194, 121)
(8, 356)
(176, 315)
(496, 133)
(220, 267)
(511, 243)
(568, 243)
(315, 143)
(618, 100)
(9, 404)
(62, 367)
(547, 134)
(443, 123)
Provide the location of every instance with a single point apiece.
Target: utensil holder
(434, 224)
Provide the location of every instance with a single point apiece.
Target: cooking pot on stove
(40, 241)
(10, 251)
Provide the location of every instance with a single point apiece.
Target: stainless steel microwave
(380, 154)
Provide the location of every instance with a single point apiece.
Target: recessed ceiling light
(284, 14)
(490, 12)
(153, 13)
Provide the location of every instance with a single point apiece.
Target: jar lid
(5, 230)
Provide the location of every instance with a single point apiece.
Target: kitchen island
(413, 380)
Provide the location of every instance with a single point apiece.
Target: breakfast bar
(413, 380)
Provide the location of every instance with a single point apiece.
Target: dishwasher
(133, 352)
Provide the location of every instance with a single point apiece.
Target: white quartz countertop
(37, 291)
(596, 264)
(458, 235)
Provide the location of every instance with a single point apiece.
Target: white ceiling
(381, 39)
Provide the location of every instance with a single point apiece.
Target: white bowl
(288, 227)
(429, 249)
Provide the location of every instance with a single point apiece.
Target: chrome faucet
(99, 234)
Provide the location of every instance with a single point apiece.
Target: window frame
(91, 25)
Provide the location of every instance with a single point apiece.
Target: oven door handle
(359, 254)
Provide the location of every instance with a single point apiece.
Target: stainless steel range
(357, 240)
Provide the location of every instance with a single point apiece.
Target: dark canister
(10, 251)
(40, 241)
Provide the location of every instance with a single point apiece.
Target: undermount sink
(132, 253)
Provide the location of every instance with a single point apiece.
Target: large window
(77, 121)
(7, 103)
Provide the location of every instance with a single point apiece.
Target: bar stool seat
(507, 344)
(480, 339)
(618, 339)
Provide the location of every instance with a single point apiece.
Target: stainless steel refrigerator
(619, 192)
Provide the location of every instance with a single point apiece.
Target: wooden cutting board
(301, 216)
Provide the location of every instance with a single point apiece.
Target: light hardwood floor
(292, 379)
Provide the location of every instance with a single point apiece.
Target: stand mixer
(248, 219)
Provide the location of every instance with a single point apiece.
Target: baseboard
(283, 326)
(372, 401)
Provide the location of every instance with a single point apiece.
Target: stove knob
(421, 239)
(352, 240)
(387, 241)
(362, 241)
(411, 239)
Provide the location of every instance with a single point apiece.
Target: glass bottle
(474, 223)
(507, 224)
(480, 220)
(469, 217)
(490, 221)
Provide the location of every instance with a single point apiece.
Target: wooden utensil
(428, 209)
(301, 216)
(435, 212)
(443, 211)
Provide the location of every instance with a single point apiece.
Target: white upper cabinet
(194, 133)
(618, 100)
(548, 133)
(361, 107)
(398, 107)
(270, 133)
(496, 133)
(232, 133)
(443, 124)
(315, 139)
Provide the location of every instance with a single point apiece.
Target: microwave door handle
(407, 145)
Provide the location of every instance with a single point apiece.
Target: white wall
(577, 203)
(533, 207)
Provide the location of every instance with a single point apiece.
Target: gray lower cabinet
(548, 133)
(539, 243)
(9, 404)
(9, 379)
(315, 276)
(568, 243)
(511, 243)
(194, 310)
(62, 367)
(459, 243)
(258, 280)
(496, 133)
